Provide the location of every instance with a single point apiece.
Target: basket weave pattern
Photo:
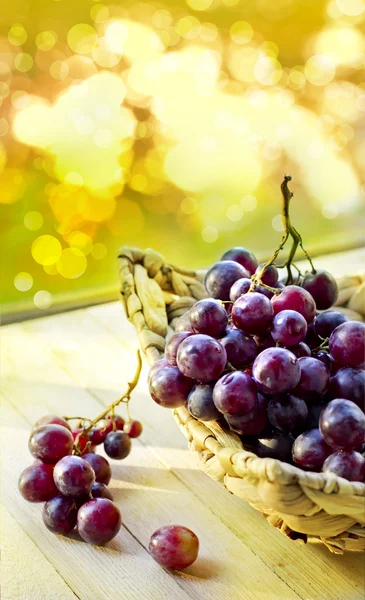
(313, 507)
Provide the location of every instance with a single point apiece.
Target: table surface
(76, 363)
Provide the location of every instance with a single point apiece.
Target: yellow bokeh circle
(80, 240)
(188, 28)
(17, 35)
(241, 32)
(99, 251)
(46, 40)
(320, 69)
(199, 4)
(23, 62)
(82, 38)
(46, 250)
(23, 281)
(72, 263)
(42, 299)
(33, 220)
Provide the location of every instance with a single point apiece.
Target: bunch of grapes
(268, 360)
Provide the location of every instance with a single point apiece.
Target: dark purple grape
(241, 349)
(235, 393)
(159, 364)
(310, 450)
(98, 434)
(221, 276)
(252, 313)
(243, 256)
(327, 321)
(312, 339)
(168, 386)
(117, 420)
(270, 276)
(314, 379)
(277, 446)
(133, 428)
(264, 341)
(347, 344)
(36, 483)
(183, 323)
(174, 546)
(253, 422)
(117, 444)
(98, 521)
(323, 287)
(314, 412)
(286, 413)
(200, 403)
(73, 476)
(342, 424)
(349, 465)
(276, 370)
(201, 357)
(289, 328)
(51, 420)
(265, 291)
(240, 287)
(296, 298)
(100, 490)
(209, 317)
(326, 359)
(172, 346)
(100, 466)
(60, 514)
(49, 443)
(300, 350)
(349, 383)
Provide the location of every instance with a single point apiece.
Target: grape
(241, 349)
(169, 388)
(289, 328)
(81, 440)
(51, 420)
(270, 276)
(73, 476)
(201, 357)
(221, 276)
(200, 403)
(49, 443)
(263, 290)
(263, 342)
(183, 323)
(242, 256)
(117, 419)
(174, 546)
(252, 313)
(300, 350)
(98, 434)
(100, 466)
(342, 424)
(100, 490)
(347, 344)
(286, 413)
(310, 450)
(276, 370)
(172, 346)
(312, 339)
(326, 359)
(277, 446)
(117, 445)
(314, 412)
(349, 465)
(98, 521)
(314, 379)
(60, 514)
(133, 428)
(36, 483)
(349, 383)
(235, 393)
(159, 364)
(240, 287)
(323, 287)
(326, 322)
(209, 317)
(253, 422)
(296, 298)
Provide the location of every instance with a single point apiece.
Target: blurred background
(169, 125)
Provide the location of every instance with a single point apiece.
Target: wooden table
(75, 363)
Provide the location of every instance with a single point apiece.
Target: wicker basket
(312, 507)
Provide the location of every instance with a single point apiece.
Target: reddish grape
(81, 440)
(235, 393)
(100, 466)
(117, 444)
(159, 364)
(296, 298)
(240, 287)
(241, 349)
(253, 422)
(310, 450)
(133, 428)
(51, 420)
(98, 434)
(169, 387)
(201, 357)
(300, 350)
(243, 256)
(286, 413)
(98, 521)
(314, 379)
(172, 346)
(276, 445)
(342, 424)
(289, 328)
(117, 420)
(100, 490)
(327, 321)
(73, 476)
(347, 344)
(252, 313)
(270, 276)
(200, 403)
(323, 287)
(174, 546)
(49, 443)
(276, 370)
(349, 465)
(183, 323)
(349, 383)
(210, 317)
(60, 514)
(221, 276)
(36, 483)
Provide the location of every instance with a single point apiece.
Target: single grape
(310, 450)
(326, 359)
(60, 514)
(159, 364)
(73, 476)
(342, 424)
(118, 420)
(172, 346)
(240, 348)
(49, 443)
(133, 428)
(270, 276)
(36, 483)
(276, 445)
(235, 393)
(183, 323)
(264, 341)
(296, 298)
(252, 313)
(240, 287)
(169, 387)
(253, 422)
(174, 546)
(314, 413)
(289, 328)
(98, 434)
(221, 276)
(347, 344)
(286, 413)
(98, 521)
(209, 317)
(312, 339)
(100, 490)
(314, 379)
(117, 445)
(327, 321)
(265, 291)
(200, 403)
(323, 287)
(201, 357)
(300, 350)
(81, 440)
(51, 420)
(349, 383)
(349, 465)
(100, 466)
(243, 256)
(276, 370)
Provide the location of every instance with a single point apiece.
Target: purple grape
(312, 339)
(235, 393)
(314, 413)
(326, 322)
(241, 349)
(200, 403)
(100, 466)
(289, 328)
(314, 379)
(347, 344)
(98, 521)
(221, 276)
(286, 413)
(349, 383)
(50, 443)
(209, 317)
(253, 422)
(155, 367)
(117, 445)
(252, 313)
(98, 434)
(300, 350)
(172, 346)
(100, 490)
(349, 465)
(296, 298)
(310, 450)
(276, 370)
(326, 359)
(60, 514)
(51, 420)
(243, 256)
(265, 291)
(264, 342)
(323, 287)
(270, 276)
(73, 476)
(183, 323)
(201, 357)
(168, 386)
(240, 287)
(277, 446)
(342, 424)
(174, 546)
(36, 483)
